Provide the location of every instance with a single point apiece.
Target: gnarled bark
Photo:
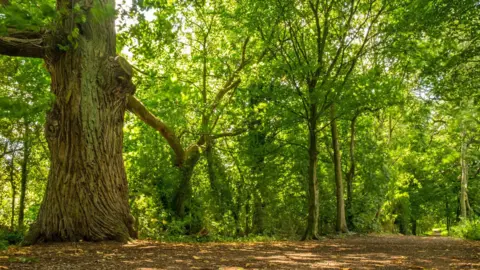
(184, 189)
(86, 196)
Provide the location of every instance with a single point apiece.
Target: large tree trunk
(86, 196)
(24, 179)
(341, 225)
(351, 174)
(313, 197)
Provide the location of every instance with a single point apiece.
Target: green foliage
(469, 229)
(26, 15)
(9, 238)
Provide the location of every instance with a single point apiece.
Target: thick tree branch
(137, 108)
(14, 33)
(13, 46)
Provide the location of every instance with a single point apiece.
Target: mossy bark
(184, 190)
(86, 196)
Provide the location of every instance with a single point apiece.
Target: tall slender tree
(318, 45)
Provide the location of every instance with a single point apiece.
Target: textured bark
(12, 46)
(86, 196)
(351, 174)
(24, 179)
(341, 225)
(313, 197)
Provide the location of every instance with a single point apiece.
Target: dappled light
(366, 252)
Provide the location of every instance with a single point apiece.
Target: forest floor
(353, 252)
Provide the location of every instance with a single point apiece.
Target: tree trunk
(212, 177)
(258, 214)
(341, 225)
(86, 196)
(447, 214)
(185, 188)
(256, 146)
(351, 173)
(259, 204)
(23, 183)
(464, 177)
(414, 226)
(313, 201)
(259, 184)
(14, 194)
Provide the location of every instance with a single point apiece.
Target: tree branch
(137, 108)
(13, 46)
(14, 33)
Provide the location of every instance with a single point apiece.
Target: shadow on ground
(360, 252)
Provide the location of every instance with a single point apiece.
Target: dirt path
(360, 252)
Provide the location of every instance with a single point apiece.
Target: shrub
(469, 229)
(3, 244)
(9, 238)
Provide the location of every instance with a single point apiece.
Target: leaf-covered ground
(359, 252)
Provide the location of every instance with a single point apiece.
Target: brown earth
(357, 252)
